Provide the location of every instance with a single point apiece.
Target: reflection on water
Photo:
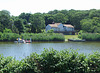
(22, 50)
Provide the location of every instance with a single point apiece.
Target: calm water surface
(22, 50)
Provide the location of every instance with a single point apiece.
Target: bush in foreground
(52, 61)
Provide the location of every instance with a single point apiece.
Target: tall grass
(43, 36)
(33, 36)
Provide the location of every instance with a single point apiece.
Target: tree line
(86, 20)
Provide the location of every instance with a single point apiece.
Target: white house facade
(60, 27)
(68, 27)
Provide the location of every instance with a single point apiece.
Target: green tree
(7, 30)
(60, 18)
(48, 19)
(86, 25)
(65, 12)
(1, 27)
(33, 28)
(94, 13)
(38, 22)
(24, 21)
(96, 21)
(14, 29)
(18, 23)
(53, 12)
(25, 16)
(4, 19)
(76, 17)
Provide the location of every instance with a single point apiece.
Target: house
(61, 28)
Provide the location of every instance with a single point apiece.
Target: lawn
(70, 36)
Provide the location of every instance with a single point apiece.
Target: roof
(55, 25)
(68, 25)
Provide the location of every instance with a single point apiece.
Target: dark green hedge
(52, 61)
(90, 36)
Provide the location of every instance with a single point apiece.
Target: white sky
(16, 7)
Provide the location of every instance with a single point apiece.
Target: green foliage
(5, 18)
(7, 30)
(44, 36)
(86, 20)
(90, 25)
(52, 61)
(80, 34)
(50, 31)
(48, 19)
(94, 13)
(90, 36)
(86, 25)
(8, 36)
(25, 16)
(38, 22)
(94, 63)
(76, 16)
(18, 23)
(60, 18)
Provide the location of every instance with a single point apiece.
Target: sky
(16, 7)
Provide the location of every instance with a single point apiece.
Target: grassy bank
(52, 61)
(70, 36)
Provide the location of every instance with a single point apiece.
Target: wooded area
(86, 20)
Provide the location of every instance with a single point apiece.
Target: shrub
(8, 36)
(91, 36)
(50, 31)
(52, 61)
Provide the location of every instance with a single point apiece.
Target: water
(22, 50)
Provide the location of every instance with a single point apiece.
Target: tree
(24, 21)
(19, 25)
(33, 28)
(96, 21)
(76, 16)
(4, 19)
(53, 12)
(65, 12)
(25, 16)
(48, 19)
(14, 29)
(86, 25)
(1, 27)
(60, 18)
(94, 13)
(7, 30)
(38, 22)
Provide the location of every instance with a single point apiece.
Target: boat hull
(83, 40)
